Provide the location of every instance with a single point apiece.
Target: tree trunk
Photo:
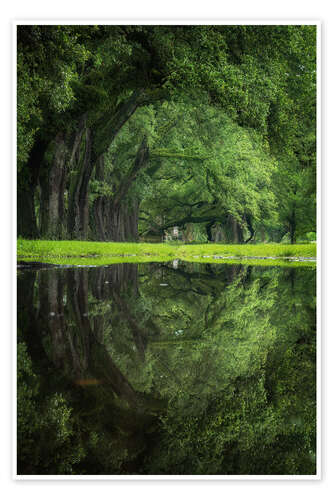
(123, 215)
(116, 228)
(78, 209)
(84, 157)
(84, 191)
(131, 220)
(292, 225)
(26, 186)
(99, 203)
(52, 186)
(26, 216)
(122, 222)
(218, 233)
(236, 231)
(209, 230)
(250, 228)
(108, 126)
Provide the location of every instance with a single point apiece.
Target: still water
(166, 369)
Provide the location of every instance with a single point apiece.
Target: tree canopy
(124, 131)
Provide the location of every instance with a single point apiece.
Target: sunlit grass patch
(100, 253)
(41, 248)
(260, 250)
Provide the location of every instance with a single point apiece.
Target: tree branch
(140, 162)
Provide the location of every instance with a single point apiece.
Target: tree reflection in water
(212, 373)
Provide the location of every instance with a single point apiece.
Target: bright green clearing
(97, 253)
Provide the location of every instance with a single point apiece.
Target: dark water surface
(167, 369)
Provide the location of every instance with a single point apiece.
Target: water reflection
(211, 373)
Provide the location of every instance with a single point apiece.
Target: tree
(228, 165)
(70, 110)
(293, 120)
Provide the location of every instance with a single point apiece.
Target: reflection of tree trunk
(57, 326)
(97, 285)
(51, 314)
(140, 335)
(78, 303)
(27, 314)
(107, 283)
(69, 345)
(233, 272)
(76, 345)
(97, 280)
(248, 276)
(103, 367)
(113, 282)
(123, 277)
(203, 283)
(292, 278)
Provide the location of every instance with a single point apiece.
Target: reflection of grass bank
(99, 253)
(255, 262)
(105, 261)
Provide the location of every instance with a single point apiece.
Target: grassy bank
(99, 253)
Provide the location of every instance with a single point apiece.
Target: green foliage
(48, 62)
(227, 112)
(182, 368)
(27, 383)
(211, 373)
(44, 426)
(233, 174)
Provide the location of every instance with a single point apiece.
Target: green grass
(99, 253)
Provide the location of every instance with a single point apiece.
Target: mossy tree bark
(81, 166)
(26, 216)
(209, 226)
(89, 146)
(292, 226)
(123, 215)
(237, 233)
(27, 182)
(108, 126)
(52, 184)
(99, 203)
